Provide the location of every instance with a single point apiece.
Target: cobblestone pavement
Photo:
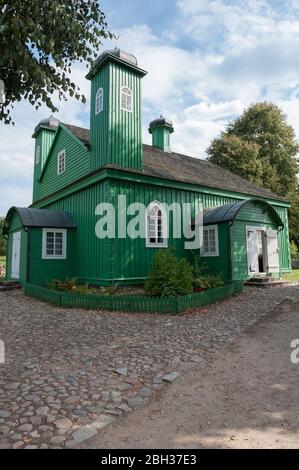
(69, 373)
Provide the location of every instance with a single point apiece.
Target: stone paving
(69, 373)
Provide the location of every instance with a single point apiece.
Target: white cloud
(214, 111)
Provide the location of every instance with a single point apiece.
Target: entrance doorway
(15, 255)
(262, 250)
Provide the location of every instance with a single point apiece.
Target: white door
(272, 251)
(15, 260)
(252, 254)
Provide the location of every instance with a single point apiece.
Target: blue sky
(206, 61)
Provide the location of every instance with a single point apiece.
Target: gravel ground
(69, 372)
(245, 397)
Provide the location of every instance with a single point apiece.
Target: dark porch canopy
(229, 212)
(32, 217)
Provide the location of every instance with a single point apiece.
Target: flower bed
(134, 303)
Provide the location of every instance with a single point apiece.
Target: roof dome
(161, 121)
(116, 52)
(51, 121)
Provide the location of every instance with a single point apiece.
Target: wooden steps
(9, 285)
(265, 282)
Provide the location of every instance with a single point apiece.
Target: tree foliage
(40, 40)
(259, 146)
(2, 240)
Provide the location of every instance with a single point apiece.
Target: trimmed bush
(169, 276)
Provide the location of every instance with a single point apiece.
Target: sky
(206, 61)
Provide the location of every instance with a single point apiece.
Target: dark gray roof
(32, 217)
(161, 121)
(81, 133)
(182, 168)
(115, 54)
(50, 122)
(229, 212)
(175, 166)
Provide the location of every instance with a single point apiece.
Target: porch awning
(229, 212)
(32, 217)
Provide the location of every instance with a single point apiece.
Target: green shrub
(169, 276)
(198, 265)
(184, 277)
(69, 285)
(294, 251)
(109, 290)
(208, 281)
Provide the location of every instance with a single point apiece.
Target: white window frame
(161, 207)
(99, 104)
(210, 253)
(59, 170)
(130, 93)
(44, 243)
(37, 155)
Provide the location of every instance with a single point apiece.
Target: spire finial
(116, 40)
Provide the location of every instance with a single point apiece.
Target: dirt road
(247, 396)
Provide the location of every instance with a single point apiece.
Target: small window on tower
(99, 100)
(126, 99)
(61, 162)
(37, 155)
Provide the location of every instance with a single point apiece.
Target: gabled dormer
(44, 134)
(115, 113)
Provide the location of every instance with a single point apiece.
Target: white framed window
(210, 244)
(99, 101)
(54, 243)
(156, 226)
(37, 155)
(126, 99)
(61, 162)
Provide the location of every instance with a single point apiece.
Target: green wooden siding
(77, 163)
(44, 140)
(16, 226)
(89, 254)
(283, 240)
(116, 134)
(44, 270)
(219, 264)
(128, 260)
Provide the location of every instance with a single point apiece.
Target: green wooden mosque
(245, 230)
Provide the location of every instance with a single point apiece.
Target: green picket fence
(134, 303)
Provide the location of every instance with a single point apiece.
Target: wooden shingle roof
(178, 167)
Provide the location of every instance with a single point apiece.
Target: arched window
(126, 99)
(37, 154)
(156, 225)
(99, 100)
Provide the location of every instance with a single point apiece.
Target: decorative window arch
(99, 100)
(37, 155)
(156, 225)
(126, 99)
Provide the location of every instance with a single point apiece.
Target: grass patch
(293, 276)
